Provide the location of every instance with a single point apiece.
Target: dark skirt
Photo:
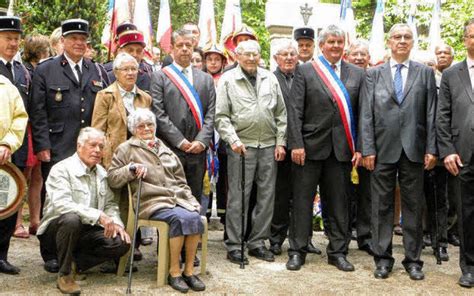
(181, 221)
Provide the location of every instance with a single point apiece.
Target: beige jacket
(110, 116)
(165, 183)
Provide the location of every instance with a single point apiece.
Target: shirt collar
(180, 68)
(72, 63)
(338, 63)
(5, 61)
(81, 169)
(124, 92)
(470, 62)
(394, 63)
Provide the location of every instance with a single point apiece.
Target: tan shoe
(67, 285)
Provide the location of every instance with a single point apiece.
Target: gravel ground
(263, 278)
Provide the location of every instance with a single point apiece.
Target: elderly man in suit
(455, 124)
(398, 137)
(184, 103)
(322, 137)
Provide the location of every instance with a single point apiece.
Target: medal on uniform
(59, 96)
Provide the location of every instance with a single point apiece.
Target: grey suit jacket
(314, 120)
(386, 127)
(175, 122)
(455, 116)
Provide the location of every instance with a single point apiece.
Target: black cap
(78, 26)
(125, 26)
(10, 23)
(304, 33)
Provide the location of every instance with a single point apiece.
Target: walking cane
(435, 195)
(242, 234)
(135, 230)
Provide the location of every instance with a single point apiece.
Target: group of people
(307, 128)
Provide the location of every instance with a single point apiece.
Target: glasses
(287, 54)
(126, 70)
(148, 125)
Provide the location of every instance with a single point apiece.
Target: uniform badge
(97, 83)
(59, 96)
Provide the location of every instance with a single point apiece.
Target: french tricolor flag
(163, 32)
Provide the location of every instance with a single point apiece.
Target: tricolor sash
(188, 91)
(340, 96)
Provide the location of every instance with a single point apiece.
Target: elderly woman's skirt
(181, 221)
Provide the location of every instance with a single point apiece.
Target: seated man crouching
(165, 196)
(81, 222)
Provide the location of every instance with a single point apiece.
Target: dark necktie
(79, 73)
(288, 80)
(334, 67)
(9, 68)
(398, 83)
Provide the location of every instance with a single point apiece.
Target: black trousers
(436, 196)
(7, 228)
(333, 178)
(383, 179)
(363, 208)
(466, 217)
(70, 240)
(454, 199)
(194, 166)
(283, 197)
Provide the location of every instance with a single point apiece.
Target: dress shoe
(137, 255)
(426, 240)
(367, 249)
(443, 253)
(197, 262)
(275, 249)
(312, 249)
(262, 253)
(341, 263)
(51, 266)
(67, 285)
(178, 283)
(6, 267)
(466, 280)
(381, 272)
(397, 230)
(194, 282)
(295, 262)
(235, 256)
(415, 273)
(453, 239)
(33, 228)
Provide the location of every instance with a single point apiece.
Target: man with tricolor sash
(184, 102)
(322, 137)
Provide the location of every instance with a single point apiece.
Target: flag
(163, 31)
(118, 12)
(207, 24)
(141, 19)
(435, 30)
(232, 19)
(411, 21)
(377, 43)
(347, 22)
(11, 5)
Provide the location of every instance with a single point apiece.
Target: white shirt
(338, 66)
(189, 71)
(470, 67)
(404, 70)
(73, 65)
(11, 62)
(128, 97)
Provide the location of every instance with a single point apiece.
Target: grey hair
(89, 132)
(331, 30)
(138, 116)
(438, 46)
(399, 26)
(466, 26)
(285, 43)
(249, 45)
(358, 43)
(180, 33)
(123, 57)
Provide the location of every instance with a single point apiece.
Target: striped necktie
(398, 83)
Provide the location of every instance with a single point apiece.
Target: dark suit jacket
(175, 121)
(387, 127)
(315, 122)
(455, 116)
(61, 106)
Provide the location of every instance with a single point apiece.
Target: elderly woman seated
(165, 195)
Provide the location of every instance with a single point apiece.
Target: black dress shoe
(312, 249)
(295, 262)
(453, 239)
(275, 249)
(262, 253)
(381, 272)
(415, 273)
(6, 267)
(341, 263)
(466, 280)
(197, 262)
(368, 249)
(178, 283)
(443, 253)
(194, 282)
(51, 266)
(235, 256)
(426, 240)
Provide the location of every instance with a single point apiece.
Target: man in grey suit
(321, 151)
(398, 137)
(455, 130)
(185, 122)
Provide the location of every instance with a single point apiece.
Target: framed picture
(13, 189)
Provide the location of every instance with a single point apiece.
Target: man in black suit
(455, 124)
(398, 137)
(323, 147)
(63, 96)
